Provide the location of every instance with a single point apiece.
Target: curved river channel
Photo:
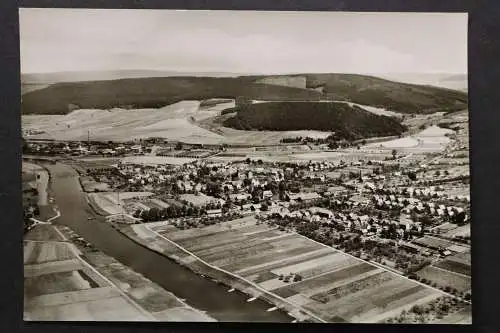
(201, 293)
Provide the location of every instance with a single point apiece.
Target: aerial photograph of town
(245, 166)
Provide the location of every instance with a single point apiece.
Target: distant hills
(152, 92)
(348, 122)
(443, 80)
(77, 76)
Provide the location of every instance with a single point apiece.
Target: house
(214, 212)
(321, 212)
(267, 194)
(305, 197)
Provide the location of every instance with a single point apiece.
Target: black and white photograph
(245, 166)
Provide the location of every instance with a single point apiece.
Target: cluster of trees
(348, 122)
(449, 289)
(422, 313)
(297, 139)
(157, 214)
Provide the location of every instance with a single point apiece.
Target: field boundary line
(128, 298)
(388, 270)
(318, 275)
(239, 277)
(243, 271)
(452, 272)
(39, 241)
(203, 313)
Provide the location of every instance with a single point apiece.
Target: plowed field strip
(72, 297)
(277, 263)
(52, 267)
(454, 266)
(340, 283)
(332, 276)
(273, 255)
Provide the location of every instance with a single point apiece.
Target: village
(404, 210)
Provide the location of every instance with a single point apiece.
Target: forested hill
(61, 98)
(348, 122)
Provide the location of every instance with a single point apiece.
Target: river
(201, 293)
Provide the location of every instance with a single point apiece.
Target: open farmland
(174, 122)
(199, 199)
(432, 139)
(58, 285)
(113, 203)
(184, 121)
(463, 230)
(445, 278)
(66, 282)
(439, 243)
(459, 263)
(156, 160)
(330, 284)
(463, 317)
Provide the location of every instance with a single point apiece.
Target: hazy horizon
(249, 42)
(239, 73)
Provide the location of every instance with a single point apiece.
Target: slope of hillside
(395, 96)
(443, 80)
(150, 93)
(154, 92)
(29, 87)
(349, 122)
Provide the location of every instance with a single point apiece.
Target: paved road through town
(201, 293)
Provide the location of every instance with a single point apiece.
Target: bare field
(42, 252)
(463, 230)
(184, 121)
(432, 139)
(199, 199)
(156, 160)
(332, 285)
(43, 232)
(60, 285)
(174, 122)
(113, 202)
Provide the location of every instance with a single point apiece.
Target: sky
(54, 40)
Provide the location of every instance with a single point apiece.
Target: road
(200, 293)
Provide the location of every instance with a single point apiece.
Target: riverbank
(199, 292)
(161, 304)
(182, 257)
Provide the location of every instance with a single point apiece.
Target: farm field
(459, 263)
(437, 243)
(463, 230)
(199, 199)
(431, 139)
(184, 121)
(445, 278)
(61, 284)
(334, 286)
(463, 317)
(174, 122)
(332, 156)
(108, 201)
(43, 233)
(156, 160)
(58, 285)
